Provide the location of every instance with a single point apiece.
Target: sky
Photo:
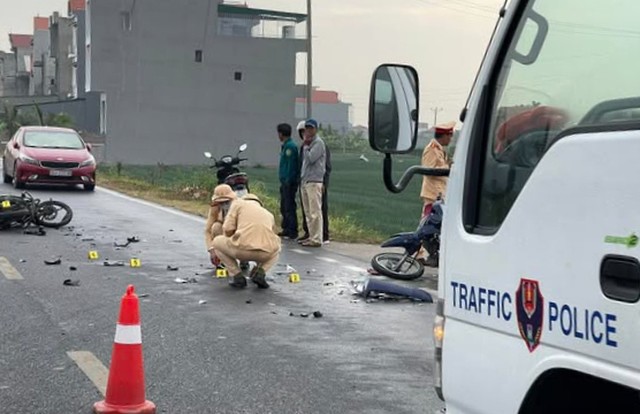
(443, 39)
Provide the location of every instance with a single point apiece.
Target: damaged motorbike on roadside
(25, 210)
(406, 265)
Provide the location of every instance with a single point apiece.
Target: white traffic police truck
(539, 279)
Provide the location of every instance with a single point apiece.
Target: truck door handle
(620, 278)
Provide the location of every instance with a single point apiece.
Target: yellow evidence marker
(6, 204)
(134, 262)
(93, 255)
(294, 278)
(221, 273)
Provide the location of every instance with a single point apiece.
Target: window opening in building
(126, 21)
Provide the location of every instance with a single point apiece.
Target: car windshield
(52, 139)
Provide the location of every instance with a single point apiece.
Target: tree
(12, 119)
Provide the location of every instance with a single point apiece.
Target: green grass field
(356, 193)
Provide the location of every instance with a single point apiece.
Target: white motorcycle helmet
(300, 127)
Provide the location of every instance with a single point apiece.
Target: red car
(47, 155)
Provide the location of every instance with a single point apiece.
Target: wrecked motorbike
(25, 210)
(229, 173)
(406, 266)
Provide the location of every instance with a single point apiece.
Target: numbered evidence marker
(221, 272)
(135, 262)
(294, 278)
(93, 255)
(6, 204)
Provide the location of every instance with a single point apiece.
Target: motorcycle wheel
(384, 263)
(53, 214)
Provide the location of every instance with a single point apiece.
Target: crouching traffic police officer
(221, 201)
(249, 235)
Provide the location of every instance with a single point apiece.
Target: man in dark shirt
(289, 173)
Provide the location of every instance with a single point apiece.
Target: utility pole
(309, 61)
(435, 115)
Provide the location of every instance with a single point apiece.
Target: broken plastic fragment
(172, 268)
(114, 263)
(53, 262)
(36, 232)
(69, 282)
(202, 302)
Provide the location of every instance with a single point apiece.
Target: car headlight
(88, 162)
(29, 160)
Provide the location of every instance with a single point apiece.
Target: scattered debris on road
(53, 262)
(376, 289)
(143, 295)
(202, 302)
(88, 239)
(73, 268)
(36, 232)
(249, 301)
(186, 280)
(316, 314)
(113, 263)
(133, 239)
(69, 282)
(172, 268)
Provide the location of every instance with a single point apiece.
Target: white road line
(92, 368)
(9, 271)
(153, 205)
(328, 259)
(300, 251)
(354, 268)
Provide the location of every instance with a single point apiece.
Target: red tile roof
(319, 96)
(20, 40)
(76, 5)
(40, 23)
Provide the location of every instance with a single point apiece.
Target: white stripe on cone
(128, 335)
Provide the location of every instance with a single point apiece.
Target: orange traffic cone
(125, 389)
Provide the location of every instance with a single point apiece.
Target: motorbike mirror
(393, 109)
(243, 147)
(208, 155)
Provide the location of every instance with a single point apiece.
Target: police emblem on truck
(530, 312)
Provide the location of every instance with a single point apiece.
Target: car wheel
(17, 184)
(89, 187)
(6, 178)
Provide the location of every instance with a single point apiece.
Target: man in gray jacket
(311, 178)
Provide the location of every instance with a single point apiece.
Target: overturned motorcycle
(407, 266)
(25, 210)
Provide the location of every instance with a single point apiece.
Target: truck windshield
(570, 63)
(588, 58)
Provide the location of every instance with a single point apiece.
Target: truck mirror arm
(408, 174)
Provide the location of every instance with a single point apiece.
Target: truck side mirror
(393, 109)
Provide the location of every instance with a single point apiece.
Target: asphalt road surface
(240, 352)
